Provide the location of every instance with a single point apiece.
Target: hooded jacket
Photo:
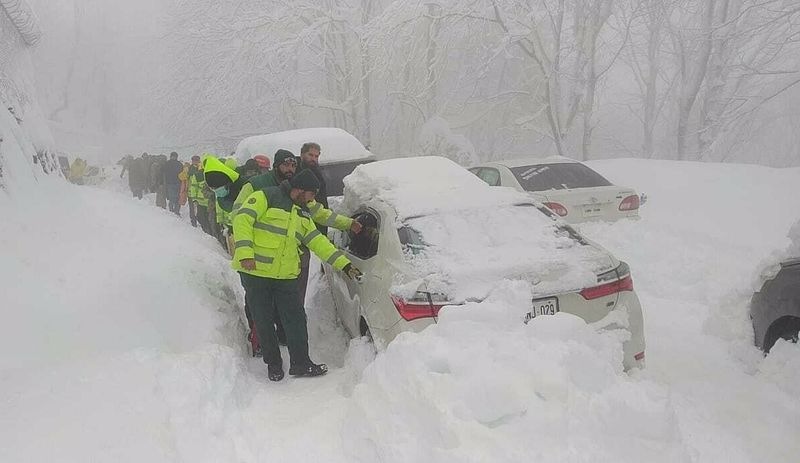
(218, 175)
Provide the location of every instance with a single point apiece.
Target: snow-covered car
(435, 235)
(775, 308)
(569, 188)
(340, 151)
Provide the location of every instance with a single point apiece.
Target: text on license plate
(546, 306)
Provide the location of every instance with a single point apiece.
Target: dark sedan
(775, 309)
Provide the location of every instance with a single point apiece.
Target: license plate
(592, 211)
(545, 306)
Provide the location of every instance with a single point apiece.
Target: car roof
(531, 161)
(423, 185)
(337, 145)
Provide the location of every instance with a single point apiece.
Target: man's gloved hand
(352, 272)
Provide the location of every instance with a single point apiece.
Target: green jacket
(270, 228)
(319, 214)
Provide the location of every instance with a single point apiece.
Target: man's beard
(286, 176)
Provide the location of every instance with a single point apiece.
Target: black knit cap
(306, 181)
(280, 156)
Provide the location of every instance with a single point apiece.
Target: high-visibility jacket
(270, 228)
(319, 214)
(197, 185)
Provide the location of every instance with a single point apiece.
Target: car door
(362, 250)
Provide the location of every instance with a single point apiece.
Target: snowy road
(121, 343)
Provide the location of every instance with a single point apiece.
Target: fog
(709, 80)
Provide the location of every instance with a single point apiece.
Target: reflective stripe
(332, 219)
(299, 237)
(243, 244)
(268, 227)
(314, 209)
(334, 256)
(263, 259)
(249, 212)
(311, 236)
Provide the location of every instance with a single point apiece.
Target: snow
(336, 144)
(469, 251)
(122, 340)
(422, 186)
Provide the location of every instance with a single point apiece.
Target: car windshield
(334, 175)
(558, 176)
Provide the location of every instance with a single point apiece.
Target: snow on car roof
(423, 185)
(337, 145)
(533, 161)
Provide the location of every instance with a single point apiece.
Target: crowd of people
(268, 216)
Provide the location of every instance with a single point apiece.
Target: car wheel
(784, 328)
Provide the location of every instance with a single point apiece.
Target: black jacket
(171, 169)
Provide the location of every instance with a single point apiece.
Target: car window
(489, 175)
(365, 244)
(334, 175)
(559, 176)
(410, 239)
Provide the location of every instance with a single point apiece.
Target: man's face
(300, 197)
(195, 162)
(287, 168)
(311, 157)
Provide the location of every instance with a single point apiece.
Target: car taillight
(557, 208)
(422, 305)
(618, 280)
(631, 203)
(639, 357)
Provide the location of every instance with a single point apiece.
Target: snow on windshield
(336, 144)
(465, 254)
(422, 186)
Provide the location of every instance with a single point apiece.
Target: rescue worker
(283, 169)
(226, 183)
(198, 202)
(268, 230)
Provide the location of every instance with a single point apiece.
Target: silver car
(569, 188)
(396, 295)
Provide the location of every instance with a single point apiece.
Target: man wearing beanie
(268, 230)
(284, 167)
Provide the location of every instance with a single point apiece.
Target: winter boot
(310, 369)
(275, 372)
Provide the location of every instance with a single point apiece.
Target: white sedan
(569, 188)
(435, 235)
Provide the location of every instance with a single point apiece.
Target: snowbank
(336, 144)
(482, 386)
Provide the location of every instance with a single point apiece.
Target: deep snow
(122, 341)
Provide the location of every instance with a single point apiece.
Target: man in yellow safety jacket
(268, 231)
(198, 202)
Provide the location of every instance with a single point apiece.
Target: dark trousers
(202, 217)
(173, 191)
(193, 212)
(265, 297)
